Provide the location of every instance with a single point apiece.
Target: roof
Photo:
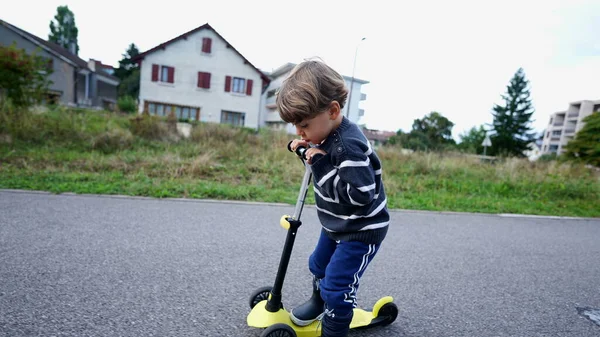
(186, 34)
(377, 134)
(54, 48)
(50, 46)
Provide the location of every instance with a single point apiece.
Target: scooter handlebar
(300, 150)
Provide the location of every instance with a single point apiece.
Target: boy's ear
(334, 110)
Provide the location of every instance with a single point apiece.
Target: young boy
(349, 193)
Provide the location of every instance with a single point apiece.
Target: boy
(349, 193)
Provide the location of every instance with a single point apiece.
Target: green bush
(112, 140)
(222, 133)
(149, 127)
(23, 77)
(126, 104)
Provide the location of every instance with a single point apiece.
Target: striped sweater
(349, 192)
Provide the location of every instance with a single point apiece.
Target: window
(239, 85)
(553, 148)
(163, 73)
(233, 118)
(180, 111)
(206, 45)
(556, 133)
(271, 93)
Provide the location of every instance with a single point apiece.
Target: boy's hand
(298, 143)
(310, 153)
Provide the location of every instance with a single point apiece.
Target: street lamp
(352, 81)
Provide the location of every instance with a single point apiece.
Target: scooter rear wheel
(279, 330)
(259, 295)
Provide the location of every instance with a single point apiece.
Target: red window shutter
(249, 87)
(228, 83)
(171, 75)
(207, 80)
(206, 45)
(155, 69)
(203, 80)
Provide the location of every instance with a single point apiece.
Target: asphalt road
(109, 266)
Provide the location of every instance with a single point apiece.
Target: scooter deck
(259, 317)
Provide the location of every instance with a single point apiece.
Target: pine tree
(129, 73)
(64, 32)
(512, 121)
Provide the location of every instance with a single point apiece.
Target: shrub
(148, 127)
(126, 104)
(112, 140)
(23, 77)
(222, 133)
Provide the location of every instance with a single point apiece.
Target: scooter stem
(274, 301)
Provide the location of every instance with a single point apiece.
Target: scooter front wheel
(279, 330)
(259, 295)
(388, 312)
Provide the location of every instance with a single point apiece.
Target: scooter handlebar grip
(300, 150)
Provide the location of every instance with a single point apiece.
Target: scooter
(267, 310)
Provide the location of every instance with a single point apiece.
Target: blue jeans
(340, 265)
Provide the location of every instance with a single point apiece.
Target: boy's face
(316, 129)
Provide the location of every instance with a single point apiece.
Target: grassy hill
(84, 151)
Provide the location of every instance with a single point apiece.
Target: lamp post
(352, 81)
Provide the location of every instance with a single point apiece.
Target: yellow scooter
(267, 311)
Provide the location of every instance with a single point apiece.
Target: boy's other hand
(310, 153)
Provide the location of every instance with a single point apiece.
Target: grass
(99, 152)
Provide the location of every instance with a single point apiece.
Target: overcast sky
(454, 57)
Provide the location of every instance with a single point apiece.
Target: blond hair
(310, 89)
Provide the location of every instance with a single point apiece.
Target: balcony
(273, 117)
(569, 131)
(560, 123)
(573, 115)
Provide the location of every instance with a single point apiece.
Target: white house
(270, 115)
(200, 76)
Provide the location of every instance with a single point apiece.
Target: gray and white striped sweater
(349, 193)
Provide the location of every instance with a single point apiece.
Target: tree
(471, 140)
(432, 132)
(436, 128)
(128, 72)
(64, 31)
(512, 121)
(586, 144)
(23, 77)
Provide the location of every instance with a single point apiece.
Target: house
(563, 125)
(378, 137)
(270, 115)
(200, 76)
(75, 82)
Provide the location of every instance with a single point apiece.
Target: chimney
(73, 47)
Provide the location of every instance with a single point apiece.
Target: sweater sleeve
(352, 182)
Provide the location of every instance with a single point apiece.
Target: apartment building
(563, 125)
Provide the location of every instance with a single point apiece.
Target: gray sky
(454, 57)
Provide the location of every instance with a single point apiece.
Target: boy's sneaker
(311, 310)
